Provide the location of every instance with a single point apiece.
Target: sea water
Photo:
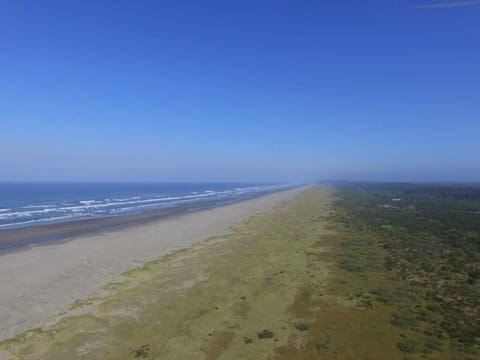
(31, 204)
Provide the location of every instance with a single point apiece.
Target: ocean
(31, 204)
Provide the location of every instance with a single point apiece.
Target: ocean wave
(43, 220)
(38, 206)
(87, 202)
(25, 213)
(33, 213)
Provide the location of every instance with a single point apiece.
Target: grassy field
(311, 279)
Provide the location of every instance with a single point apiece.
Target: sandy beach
(39, 283)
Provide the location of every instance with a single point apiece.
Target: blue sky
(239, 90)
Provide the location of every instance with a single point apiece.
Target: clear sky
(239, 90)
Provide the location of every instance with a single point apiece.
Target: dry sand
(38, 284)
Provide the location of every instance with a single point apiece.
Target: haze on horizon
(288, 91)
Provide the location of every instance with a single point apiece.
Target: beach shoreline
(39, 283)
(18, 239)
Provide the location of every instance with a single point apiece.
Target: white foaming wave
(88, 206)
(87, 202)
(92, 204)
(193, 195)
(25, 213)
(102, 207)
(143, 201)
(180, 200)
(156, 204)
(124, 199)
(21, 223)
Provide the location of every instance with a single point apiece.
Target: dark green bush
(409, 346)
(302, 326)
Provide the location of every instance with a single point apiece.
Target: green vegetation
(302, 326)
(431, 238)
(409, 346)
(404, 278)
